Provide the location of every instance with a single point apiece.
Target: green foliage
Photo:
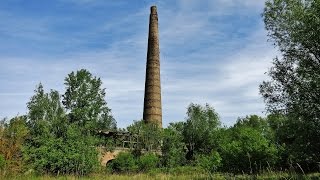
(46, 117)
(61, 142)
(199, 131)
(295, 77)
(149, 135)
(147, 162)
(124, 163)
(277, 123)
(84, 98)
(173, 152)
(12, 137)
(247, 148)
(73, 154)
(210, 162)
(252, 121)
(258, 123)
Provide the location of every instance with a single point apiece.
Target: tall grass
(165, 176)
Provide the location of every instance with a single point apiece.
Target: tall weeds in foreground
(156, 174)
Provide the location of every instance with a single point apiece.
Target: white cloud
(201, 62)
(230, 84)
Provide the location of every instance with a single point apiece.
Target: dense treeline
(59, 133)
(250, 146)
(57, 146)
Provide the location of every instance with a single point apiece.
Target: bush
(247, 150)
(124, 163)
(209, 162)
(72, 155)
(173, 152)
(147, 162)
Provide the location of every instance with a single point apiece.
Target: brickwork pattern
(152, 111)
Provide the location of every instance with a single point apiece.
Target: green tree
(48, 129)
(246, 149)
(281, 137)
(149, 135)
(12, 138)
(173, 147)
(200, 129)
(85, 99)
(63, 139)
(258, 123)
(294, 88)
(46, 116)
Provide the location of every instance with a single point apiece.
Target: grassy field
(168, 176)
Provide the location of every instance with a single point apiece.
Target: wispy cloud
(211, 51)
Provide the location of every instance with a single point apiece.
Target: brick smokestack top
(152, 111)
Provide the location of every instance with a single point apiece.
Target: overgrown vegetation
(59, 135)
(294, 88)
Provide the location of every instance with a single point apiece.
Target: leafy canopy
(200, 129)
(294, 87)
(84, 98)
(63, 133)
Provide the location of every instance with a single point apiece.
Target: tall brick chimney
(152, 111)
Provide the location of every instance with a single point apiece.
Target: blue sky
(212, 51)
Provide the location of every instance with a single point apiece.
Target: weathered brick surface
(152, 111)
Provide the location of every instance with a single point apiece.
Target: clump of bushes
(147, 162)
(210, 162)
(126, 162)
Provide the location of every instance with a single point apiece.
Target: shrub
(147, 162)
(72, 155)
(124, 163)
(247, 151)
(209, 162)
(173, 152)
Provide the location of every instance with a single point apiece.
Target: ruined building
(152, 111)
